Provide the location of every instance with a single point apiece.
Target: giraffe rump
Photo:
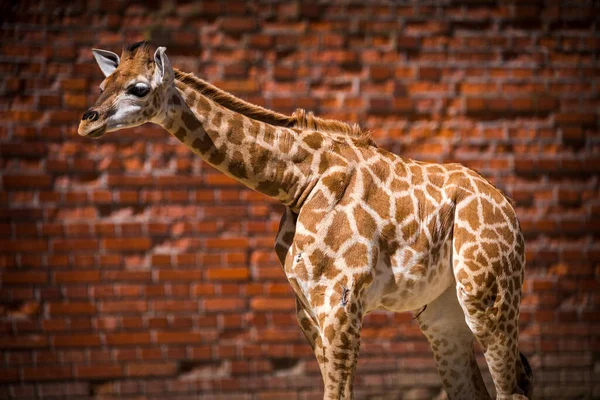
(300, 119)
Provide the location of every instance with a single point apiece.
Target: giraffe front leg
(451, 341)
(340, 335)
(310, 328)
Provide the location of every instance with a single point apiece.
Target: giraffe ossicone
(363, 229)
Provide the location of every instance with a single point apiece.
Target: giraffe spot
(365, 222)
(435, 172)
(202, 104)
(323, 265)
(268, 132)
(469, 213)
(311, 218)
(462, 276)
(286, 139)
(399, 186)
(356, 256)
(489, 234)
(491, 249)
(480, 258)
(235, 133)
(404, 208)
(317, 296)
(336, 182)
(313, 140)
(479, 279)
(417, 175)
(301, 155)
(217, 119)
(434, 192)
(472, 265)
(268, 188)
(418, 270)
(376, 198)
(409, 230)
(388, 241)
(462, 237)
(346, 343)
(176, 100)
(341, 316)
(339, 231)
(237, 166)
(361, 282)
(216, 157)
(181, 134)
(190, 121)
(323, 163)
(330, 333)
(259, 158)
(491, 213)
(423, 204)
(203, 143)
(381, 170)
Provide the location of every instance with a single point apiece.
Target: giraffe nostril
(90, 115)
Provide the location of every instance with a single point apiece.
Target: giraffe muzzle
(90, 115)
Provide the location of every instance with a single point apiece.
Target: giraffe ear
(164, 70)
(107, 60)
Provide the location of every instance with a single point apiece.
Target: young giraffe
(363, 229)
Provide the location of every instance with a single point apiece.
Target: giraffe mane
(300, 119)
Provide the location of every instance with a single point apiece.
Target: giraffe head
(132, 93)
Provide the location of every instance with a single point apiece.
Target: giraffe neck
(270, 159)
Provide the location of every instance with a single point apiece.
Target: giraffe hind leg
(492, 314)
(451, 341)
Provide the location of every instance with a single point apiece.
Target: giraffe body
(364, 229)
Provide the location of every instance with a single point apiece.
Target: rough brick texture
(131, 269)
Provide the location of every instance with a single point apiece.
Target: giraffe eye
(139, 90)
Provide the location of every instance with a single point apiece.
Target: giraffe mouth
(96, 133)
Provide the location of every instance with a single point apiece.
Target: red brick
(98, 371)
(26, 246)
(54, 373)
(227, 243)
(128, 244)
(134, 276)
(273, 304)
(151, 369)
(26, 181)
(73, 308)
(131, 338)
(179, 275)
(23, 341)
(25, 277)
(172, 306)
(71, 245)
(178, 337)
(228, 274)
(81, 340)
(223, 304)
(124, 306)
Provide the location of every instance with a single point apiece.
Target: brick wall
(131, 269)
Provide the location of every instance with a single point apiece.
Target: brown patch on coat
(314, 140)
(365, 222)
(357, 256)
(339, 231)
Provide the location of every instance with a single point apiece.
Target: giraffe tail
(525, 377)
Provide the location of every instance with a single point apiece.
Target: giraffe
(363, 229)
